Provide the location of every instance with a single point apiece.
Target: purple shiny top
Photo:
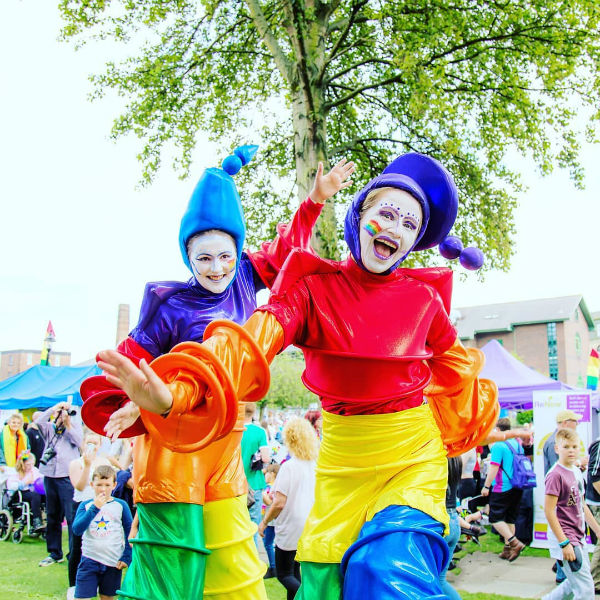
(174, 311)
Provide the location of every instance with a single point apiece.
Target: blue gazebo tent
(42, 387)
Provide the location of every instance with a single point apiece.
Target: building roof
(25, 351)
(490, 318)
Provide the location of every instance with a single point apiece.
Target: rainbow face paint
(372, 227)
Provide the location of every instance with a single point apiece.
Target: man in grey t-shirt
(63, 437)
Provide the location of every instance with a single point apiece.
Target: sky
(78, 237)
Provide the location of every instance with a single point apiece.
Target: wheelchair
(16, 517)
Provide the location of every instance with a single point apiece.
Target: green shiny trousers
(169, 555)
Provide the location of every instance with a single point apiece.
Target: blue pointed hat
(429, 183)
(216, 204)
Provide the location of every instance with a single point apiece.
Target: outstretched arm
(193, 391)
(296, 234)
(465, 407)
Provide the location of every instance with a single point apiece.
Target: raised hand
(121, 420)
(325, 186)
(142, 385)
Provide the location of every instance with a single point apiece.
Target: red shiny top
(365, 337)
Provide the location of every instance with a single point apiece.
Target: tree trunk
(310, 148)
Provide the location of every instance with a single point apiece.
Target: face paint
(389, 229)
(213, 260)
(372, 227)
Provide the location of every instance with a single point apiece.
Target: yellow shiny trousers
(368, 462)
(233, 569)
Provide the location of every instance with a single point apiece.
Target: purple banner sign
(540, 535)
(580, 404)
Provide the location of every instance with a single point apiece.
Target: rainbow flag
(593, 370)
(47, 347)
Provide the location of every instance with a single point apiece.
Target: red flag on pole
(50, 335)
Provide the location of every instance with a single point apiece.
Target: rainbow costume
(195, 536)
(399, 393)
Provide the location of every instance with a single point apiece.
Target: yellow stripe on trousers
(233, 568)
(368, 462)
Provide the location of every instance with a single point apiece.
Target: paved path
(485, 573)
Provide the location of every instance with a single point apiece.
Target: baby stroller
(16, 517)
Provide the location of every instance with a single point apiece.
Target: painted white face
(213, 258)
(388, 229)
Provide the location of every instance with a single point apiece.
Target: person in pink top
(567, 515)
(23, 480)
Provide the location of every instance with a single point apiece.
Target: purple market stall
(517, 382)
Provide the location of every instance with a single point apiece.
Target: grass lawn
(20, 576)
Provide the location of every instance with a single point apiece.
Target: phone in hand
(575, 565)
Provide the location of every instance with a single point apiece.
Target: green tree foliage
(524, 416)
(287, 389)
(463, 81)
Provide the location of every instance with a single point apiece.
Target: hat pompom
(471, 258)
(232, 164)
(451, 247)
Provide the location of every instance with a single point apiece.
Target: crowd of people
(83, 480)
(279, 462)
(54, 472)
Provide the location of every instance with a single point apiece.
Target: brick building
(550, 335)
(17, 361)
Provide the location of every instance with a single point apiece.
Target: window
(57, 361)
(577, 314)
(11, 360)
(552, 350)
(29, 359)
(578, 344)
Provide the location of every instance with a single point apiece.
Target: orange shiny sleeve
(465, 407)
(208, 380)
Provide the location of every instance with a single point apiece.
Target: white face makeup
(213, 258)
(388, 229)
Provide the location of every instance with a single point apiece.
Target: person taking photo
(62, 439)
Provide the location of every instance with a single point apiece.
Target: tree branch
(270, 40)
(361, 141)
(360, 90)
(357, 65)
(342, 37)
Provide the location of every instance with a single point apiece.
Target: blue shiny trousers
(399, 555)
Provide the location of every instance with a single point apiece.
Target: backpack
(523, 474)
